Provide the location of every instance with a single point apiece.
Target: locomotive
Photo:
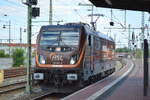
(72, 55)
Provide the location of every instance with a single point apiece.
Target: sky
(68, 11)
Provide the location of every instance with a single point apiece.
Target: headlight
(41, 59)
(74, 59)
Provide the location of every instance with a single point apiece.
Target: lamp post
(32, 12)
(9, 34)
(29, 21)
(28, 87)
(9, 28)
(142, 27)
(50, 13)
(20, 35)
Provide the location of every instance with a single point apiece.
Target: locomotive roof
(62, 26)
(99, 34)
(102, 35)
(79, 25)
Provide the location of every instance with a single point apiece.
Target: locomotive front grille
(57, 63)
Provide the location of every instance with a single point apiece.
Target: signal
(30, 2)
(111, 23)
(35, 12)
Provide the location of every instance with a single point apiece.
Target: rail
(12, 87)
(42, 96)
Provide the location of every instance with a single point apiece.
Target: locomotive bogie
(58, 76)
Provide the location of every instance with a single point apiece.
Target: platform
(132, 87)
(129, 87)
(97, 89)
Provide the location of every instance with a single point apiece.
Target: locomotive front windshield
(60, 37)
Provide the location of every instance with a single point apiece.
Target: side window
(101, 43)
(89, 40)
(104, 46)
(97, 43)
(108, 45)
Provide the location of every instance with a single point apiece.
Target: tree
(122, 50)
(18, 57)
(2, 53)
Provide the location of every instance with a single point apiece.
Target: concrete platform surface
(132, 87)
(93, 91)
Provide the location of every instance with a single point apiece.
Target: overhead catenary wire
(13, 2)
(83, 18)
(118, 21)
(74, 10)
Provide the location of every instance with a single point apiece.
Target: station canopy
(139, 5)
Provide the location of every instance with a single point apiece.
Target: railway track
(12, 87)
(50, 96)
(38, 94)
(42, 96)
(18, 86)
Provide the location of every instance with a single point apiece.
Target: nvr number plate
(72, 77)
(38, 76)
